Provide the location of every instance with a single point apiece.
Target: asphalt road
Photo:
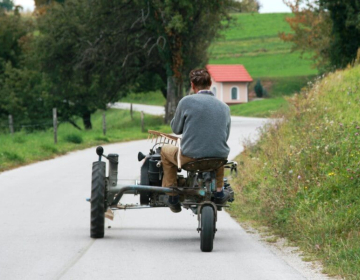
(45, 228)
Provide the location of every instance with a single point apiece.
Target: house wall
(223, 92)
(242, 93)
(218, 87)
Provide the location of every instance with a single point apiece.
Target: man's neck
(203, 90)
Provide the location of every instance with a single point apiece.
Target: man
(204, 122)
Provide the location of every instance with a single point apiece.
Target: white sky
(268, 6)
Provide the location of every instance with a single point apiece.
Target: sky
(268, 6)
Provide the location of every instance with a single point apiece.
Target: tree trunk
(173, 96)
(87, 120)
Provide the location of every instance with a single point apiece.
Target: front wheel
(97, 222)
(207, 229)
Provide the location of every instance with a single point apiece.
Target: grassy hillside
(23, 148)
(253, 41)
(302, 178)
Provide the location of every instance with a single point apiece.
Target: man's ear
(210, 83)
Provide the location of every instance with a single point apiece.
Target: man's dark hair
(200, 78)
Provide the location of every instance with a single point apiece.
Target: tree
(311, 28)
(16, 83)
(79, 87)
(12, 29)
(329, 28)
(345, 30)
(259, 90)
(250, 6)
(187, 29)
(24, 95)
(6, 5)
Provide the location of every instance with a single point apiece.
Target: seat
(204, 165)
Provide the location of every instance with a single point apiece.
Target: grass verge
(302, 177)
(263, 108)
(148, 98)
(24, 148)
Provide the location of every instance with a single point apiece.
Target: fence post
(142, 121)
(55, 125)
(104, 124)
(11, 125)
(131, 111)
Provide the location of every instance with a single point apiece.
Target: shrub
(73, 138)
(11, 156)
(259, 90)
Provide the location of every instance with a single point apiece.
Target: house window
(214, 91)
(234, 93)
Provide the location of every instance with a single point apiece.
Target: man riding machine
(204, 122)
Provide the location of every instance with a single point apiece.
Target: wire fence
(10, 127)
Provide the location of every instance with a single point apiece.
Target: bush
(73, 138)
(259, 90)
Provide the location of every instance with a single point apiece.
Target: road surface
(45, 227)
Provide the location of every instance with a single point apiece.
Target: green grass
(24, 148)
(302, 177)
(149, 98)
(260, 108)
(253, 40)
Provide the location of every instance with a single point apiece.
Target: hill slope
(252, 40)
(302, 178)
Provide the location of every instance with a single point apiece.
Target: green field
(260, 108)
(252, 40)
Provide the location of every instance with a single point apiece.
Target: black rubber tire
(97, 222)
(207, 229)
(144, 198)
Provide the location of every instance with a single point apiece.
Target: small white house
(230, 83)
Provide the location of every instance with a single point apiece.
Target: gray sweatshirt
(204, 123)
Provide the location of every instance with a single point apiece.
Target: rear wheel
(97, 221)
(207, 229)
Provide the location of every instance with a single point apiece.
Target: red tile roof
(229, 73)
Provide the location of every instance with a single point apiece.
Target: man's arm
(177, 123)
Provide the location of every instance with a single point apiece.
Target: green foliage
(250, 6)
(330, 28)
(345, 29)
(12, 30)
(24, 95)
(7, 5)
(302, 177)
(259, 90)
(73, 138)
(252, 40)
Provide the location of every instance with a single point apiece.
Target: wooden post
(131, 111)
(142, 122)
(104, 124)
(55, 125)
(11, 125)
